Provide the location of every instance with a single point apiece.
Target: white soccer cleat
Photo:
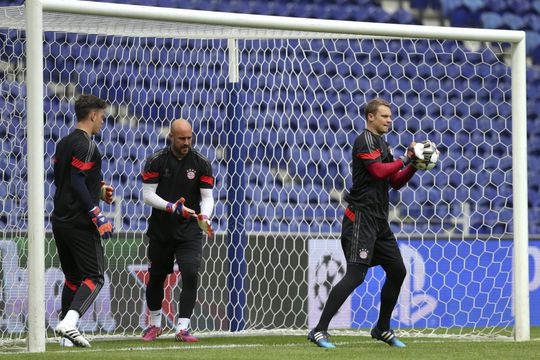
(72, 334)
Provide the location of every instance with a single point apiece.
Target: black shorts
(187, 249)
(80, 252)
(367, 239)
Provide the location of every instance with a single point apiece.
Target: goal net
(280, 141)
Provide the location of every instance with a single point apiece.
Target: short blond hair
(373, 106)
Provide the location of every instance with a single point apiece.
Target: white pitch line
(247, 346)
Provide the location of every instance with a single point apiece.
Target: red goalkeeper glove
(106, 193)
(205, 224)
(180, 209)
(103, 224)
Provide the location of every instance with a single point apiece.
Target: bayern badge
(363, 254)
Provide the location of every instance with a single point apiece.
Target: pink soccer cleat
(185, 336)
(151, 333)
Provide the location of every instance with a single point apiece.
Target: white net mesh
(300, 105)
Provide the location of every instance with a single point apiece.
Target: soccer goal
(275, 104)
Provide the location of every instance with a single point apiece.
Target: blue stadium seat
(513, 21)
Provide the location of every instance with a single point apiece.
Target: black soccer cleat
(321, 339)
(388, 337)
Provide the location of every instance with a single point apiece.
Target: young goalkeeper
(366, 237)
(173, 179)
(77, 222)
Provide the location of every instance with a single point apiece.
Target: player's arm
(207, 207)
(380, 170)
(151, 176)
(399, 179)
(206, 185)
(151, 198)
(81, 192)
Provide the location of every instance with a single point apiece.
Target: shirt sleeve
(81, 157)
(151, 198)
(367, 150)
(151, 171)
(206, 179)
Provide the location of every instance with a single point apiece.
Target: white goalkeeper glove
(410, 154)
(205, 224)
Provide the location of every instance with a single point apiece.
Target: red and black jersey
(367, 192)
(75, 153)
(176, 178)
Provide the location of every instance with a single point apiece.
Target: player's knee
(94, 283)
(355, 275)
(398, 272)
(190, 274)
(156, 279)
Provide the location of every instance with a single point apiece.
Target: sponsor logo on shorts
(363, 253)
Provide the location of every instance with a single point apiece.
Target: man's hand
(409, 155)
(205, 224)
(106, 193)
(180, 209)
(103, 224)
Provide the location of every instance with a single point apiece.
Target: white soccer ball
(65, 342)
(426, 155)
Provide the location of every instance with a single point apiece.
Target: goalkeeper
(366, 237)
(177, 184)
(77, 222)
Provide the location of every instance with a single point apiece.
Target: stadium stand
(296, 182)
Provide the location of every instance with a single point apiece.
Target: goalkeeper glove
(409, 155)
(205, 224)
(106, 193)
(180, 209)
(103, 224)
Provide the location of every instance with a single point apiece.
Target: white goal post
(232, 28)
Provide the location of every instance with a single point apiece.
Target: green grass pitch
(294, 347)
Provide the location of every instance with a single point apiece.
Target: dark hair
(87, 103)
(373, 106)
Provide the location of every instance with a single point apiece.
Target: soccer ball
(426, 155)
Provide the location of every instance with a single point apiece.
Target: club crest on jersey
(363, 253)
(191, 174)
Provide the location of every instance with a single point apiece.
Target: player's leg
(188, 256)
(71, 272)
(387, 254)
(340, 292)
(357, 240)
(87, 255)
(72, 276)
(161, 257)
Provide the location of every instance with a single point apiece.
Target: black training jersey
(75, 153)
(368, 193)
(176, 178)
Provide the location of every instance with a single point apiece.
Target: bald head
(180, 125)
(180, 135)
